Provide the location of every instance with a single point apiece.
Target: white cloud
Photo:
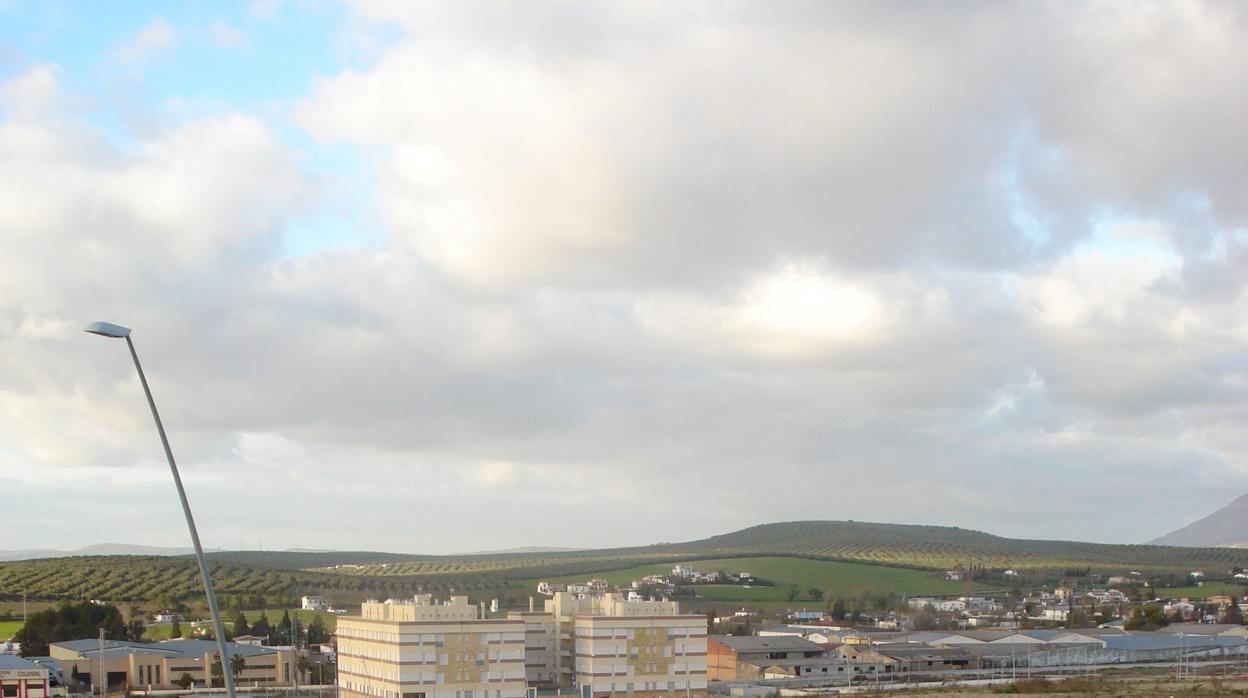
(157, 37)
(630, 257)
(227, 36)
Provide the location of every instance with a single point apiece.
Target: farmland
(9, 628)
(349, 577)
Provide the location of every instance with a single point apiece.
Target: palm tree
(237, 664)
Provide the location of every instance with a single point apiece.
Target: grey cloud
(583, 209)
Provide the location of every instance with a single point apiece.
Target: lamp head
(108, 329)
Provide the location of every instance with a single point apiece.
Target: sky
(444, 277)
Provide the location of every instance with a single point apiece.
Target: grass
(1205, 591)
(9, 628)
(835, 579)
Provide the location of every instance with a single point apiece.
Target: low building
(137, 666)
(20, 678)
(737, 657)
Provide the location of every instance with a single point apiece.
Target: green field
(9, 628)
(1205, 591)
(836, 579)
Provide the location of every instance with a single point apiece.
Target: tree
(1233, 615)
(303, 664)
(70, 622)
(184, 681)
(175, 630)
(240, 624)
(218, 674)
(283, 626)
(838, 610)
(793, 592)
(317, 634)
(135, 629)
(237, 664)
(261, 627)
(1148, 617)
(816, 594)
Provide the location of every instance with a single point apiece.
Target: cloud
(650, 258)
(157, 37)
(226, 36)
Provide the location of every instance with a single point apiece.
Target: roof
(8, 661)
(772, 643)
(1198, 628)
(1166, 641)
(174, 649)
(924, 653)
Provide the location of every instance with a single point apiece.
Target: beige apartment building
(604, 645)
(424, 649)
(539, 647)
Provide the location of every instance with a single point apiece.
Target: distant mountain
(97, 549)
(1225, 528)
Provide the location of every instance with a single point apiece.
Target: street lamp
(107, 329)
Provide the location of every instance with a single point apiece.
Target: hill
(350, 576)
(97, 549)
(1225, 528)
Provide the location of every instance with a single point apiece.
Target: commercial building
(423, 649)
(135, 665)
(20, 678)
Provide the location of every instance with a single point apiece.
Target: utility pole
(103, 676)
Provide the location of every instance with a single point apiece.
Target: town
(643, 638)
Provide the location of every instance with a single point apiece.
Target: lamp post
(106, 329)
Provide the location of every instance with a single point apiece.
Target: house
(167, 617)
(953, 575)
(315, 603)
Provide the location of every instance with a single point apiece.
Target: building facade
(606, 644)
(423, 649)
(20, 678)
(160, 665)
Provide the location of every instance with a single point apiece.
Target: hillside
(1225, 528)
(354, 575)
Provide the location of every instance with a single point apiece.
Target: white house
(315, 603)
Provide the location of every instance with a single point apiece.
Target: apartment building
(425, 649)
(607, 645)
(539, 647)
